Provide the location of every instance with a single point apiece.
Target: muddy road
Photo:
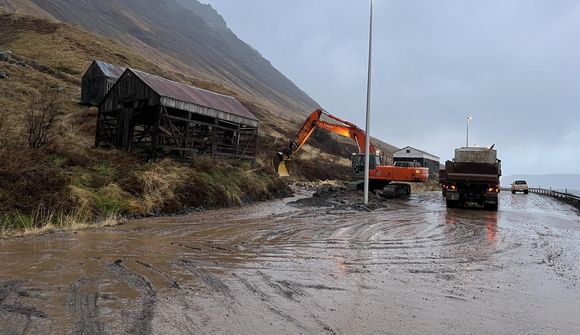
(321, 265)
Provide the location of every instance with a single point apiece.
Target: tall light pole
(368, 123)
(469, 118)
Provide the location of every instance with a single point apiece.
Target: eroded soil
(305, 265)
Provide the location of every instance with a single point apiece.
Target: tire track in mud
(172, 283)
(10, 288)
(287, 290)
(212, 282)
(293, 292)
(84, 307)
(266, 300)
(560, 259)
(282, 288)
(421, 244)
(141, 323)
(382, 238)
(16, 318)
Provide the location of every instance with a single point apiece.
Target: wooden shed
(157, 117)
(98, 80)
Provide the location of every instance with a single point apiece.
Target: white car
(520, 186)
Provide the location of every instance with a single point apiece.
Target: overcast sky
(512, 65)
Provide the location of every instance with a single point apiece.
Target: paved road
(319, 265)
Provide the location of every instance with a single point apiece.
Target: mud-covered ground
(319, 265)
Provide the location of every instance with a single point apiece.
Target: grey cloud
(512, 64)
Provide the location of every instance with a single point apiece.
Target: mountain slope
(191, 40)
(69, 181)
(193, 37)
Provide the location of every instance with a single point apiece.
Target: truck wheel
(513, 192)
(526, 192)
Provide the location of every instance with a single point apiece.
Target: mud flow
(305, 265)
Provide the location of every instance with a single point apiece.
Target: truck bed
(470, 172)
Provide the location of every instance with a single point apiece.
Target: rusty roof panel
(110, 70)
(193, 95)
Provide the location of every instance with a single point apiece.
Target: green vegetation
(48, 189)
(66, 183)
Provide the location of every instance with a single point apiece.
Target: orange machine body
(397, 173)
(379, 173)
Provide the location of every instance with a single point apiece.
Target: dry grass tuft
(69, 222)
(67, 184)
(158, 185)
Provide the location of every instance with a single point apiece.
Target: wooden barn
(156, 117)
(98, 80)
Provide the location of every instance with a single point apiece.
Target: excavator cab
(358, 164)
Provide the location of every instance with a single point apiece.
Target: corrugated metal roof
(421, 151)
(110, 70)
(193, 95)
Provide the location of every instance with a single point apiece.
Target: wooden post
(214, 138)
(239, 133)
(98, 135)
(126, 129)
(155, 132)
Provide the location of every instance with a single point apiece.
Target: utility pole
(368, 116)
(469, 118)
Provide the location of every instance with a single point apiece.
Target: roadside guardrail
(571, 199)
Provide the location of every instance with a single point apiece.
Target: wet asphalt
(305, 265)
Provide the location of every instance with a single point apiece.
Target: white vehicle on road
(520, 186)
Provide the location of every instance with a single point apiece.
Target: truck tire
(451, 204)
(526, 192)
(513, 192)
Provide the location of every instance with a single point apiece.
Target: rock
(4, 56)
(3, 75)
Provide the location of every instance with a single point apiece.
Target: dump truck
(472, 178)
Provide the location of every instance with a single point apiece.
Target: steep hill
(190, 36)
(190, 41)
(68, 181)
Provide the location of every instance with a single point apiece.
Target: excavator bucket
(280, 165)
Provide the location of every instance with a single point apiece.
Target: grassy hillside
(69, 183)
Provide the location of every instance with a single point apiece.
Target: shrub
(40, 116)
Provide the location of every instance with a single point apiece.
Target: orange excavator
(384, 179)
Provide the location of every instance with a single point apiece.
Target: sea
(575, 192)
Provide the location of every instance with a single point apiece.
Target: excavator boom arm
(346, 129)
(357, 134)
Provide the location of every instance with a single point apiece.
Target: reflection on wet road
(307, 266)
